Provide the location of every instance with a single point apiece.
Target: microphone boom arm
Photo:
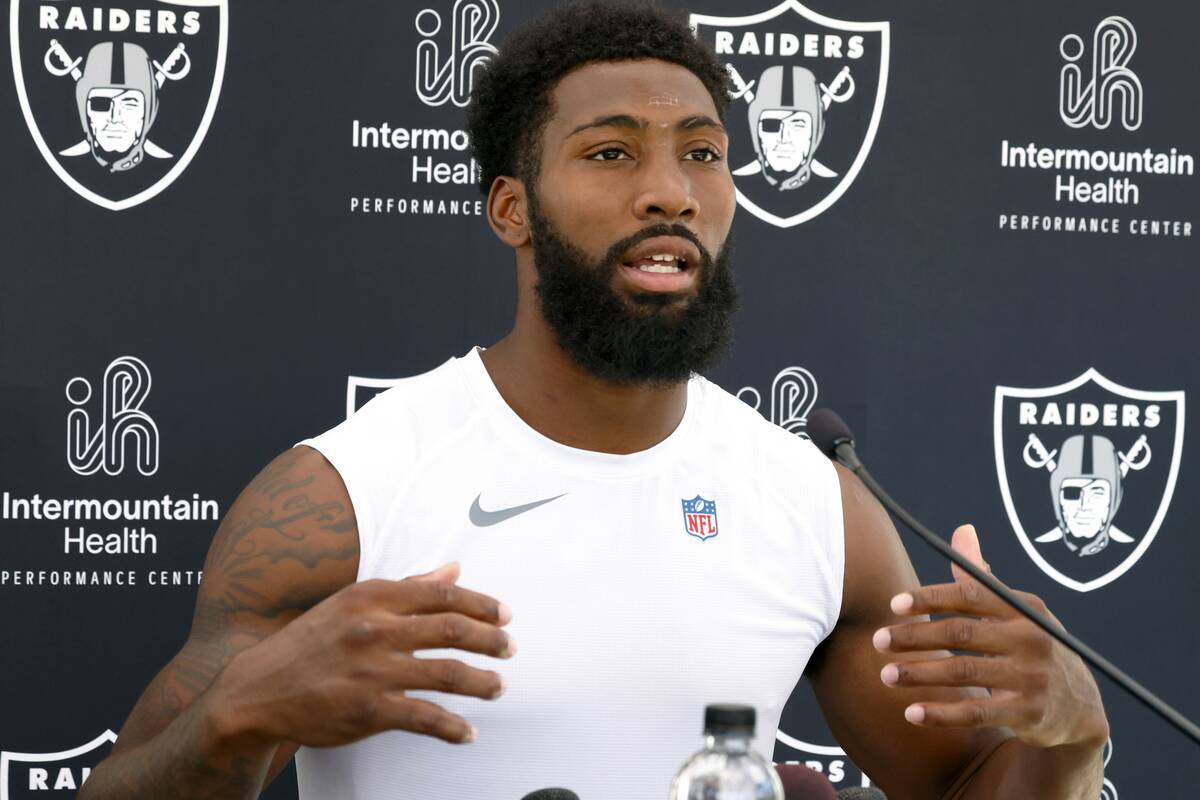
(846, 456)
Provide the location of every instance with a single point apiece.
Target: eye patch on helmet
(1075, 493)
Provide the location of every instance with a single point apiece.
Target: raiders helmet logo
(1087, 470)
(118, 95)
(808, 99)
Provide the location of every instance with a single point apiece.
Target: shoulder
(379, 449)
(427, 402)
(403, 420)
(741, 427)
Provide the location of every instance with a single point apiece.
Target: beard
(644, 337)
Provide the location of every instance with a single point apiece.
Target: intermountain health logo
(1087, 470)
(429, 153)
(808, 100)
(793, 395)
(1112, 90)
(446, 70)
(121, 428)
(1105, 180)
(118, 95)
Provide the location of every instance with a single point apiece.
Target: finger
(446, 572)
(980, 713)
(450, 676)
(458, 631)
(965, 540)
(962, 597)
(432, 597)
(985, 673)
(420, 716)
(955, 633)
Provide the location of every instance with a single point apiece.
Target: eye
(607, 154)
(708, 155)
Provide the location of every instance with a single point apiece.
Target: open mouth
(662, 264)
(659, 264)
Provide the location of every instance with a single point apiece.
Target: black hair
(511, 101)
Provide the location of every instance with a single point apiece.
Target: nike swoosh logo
(484, 519)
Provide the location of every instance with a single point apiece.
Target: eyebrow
(638, 123)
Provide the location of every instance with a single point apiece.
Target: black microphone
(801, 783)
(553, 793)
(861, 793)
(832, 435)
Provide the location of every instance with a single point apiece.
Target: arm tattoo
(289, 541)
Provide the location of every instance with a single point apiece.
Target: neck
(564, 403)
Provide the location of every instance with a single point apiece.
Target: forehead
(643, 87)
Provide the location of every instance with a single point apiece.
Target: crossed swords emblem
(839, 91)
(1037, 456)
(172, 70)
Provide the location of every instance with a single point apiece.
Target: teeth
(658, 268)
(663, 257)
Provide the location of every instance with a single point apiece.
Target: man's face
(785, 138)
(632, 197)
(117, 117)
(1085, 505)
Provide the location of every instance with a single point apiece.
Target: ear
(508, 212)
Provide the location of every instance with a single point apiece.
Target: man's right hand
(340, 671)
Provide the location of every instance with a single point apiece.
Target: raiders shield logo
(360, 390)
(808, 98)
(1087, 470)
(118, 94)
(46, 775)
(829, 760)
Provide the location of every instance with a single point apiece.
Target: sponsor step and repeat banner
(970, 229)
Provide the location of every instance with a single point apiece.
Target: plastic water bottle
(727, 768)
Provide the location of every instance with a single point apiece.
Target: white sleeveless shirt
(703, 570)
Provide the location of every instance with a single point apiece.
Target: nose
(785, 132)
(114, 111)
(664, 191)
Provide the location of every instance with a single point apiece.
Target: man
(553, 471)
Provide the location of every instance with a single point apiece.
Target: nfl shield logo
(700, 517)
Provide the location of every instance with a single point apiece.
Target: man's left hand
(1039, 688)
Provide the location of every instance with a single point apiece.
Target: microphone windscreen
(861, 793)
(801, 783)
(827, 430)
(552, 793)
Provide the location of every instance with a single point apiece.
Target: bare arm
(287, 542)
(1038, 733)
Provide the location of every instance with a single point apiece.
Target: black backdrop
(252, 294)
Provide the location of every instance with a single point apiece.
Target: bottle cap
(724, 718)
